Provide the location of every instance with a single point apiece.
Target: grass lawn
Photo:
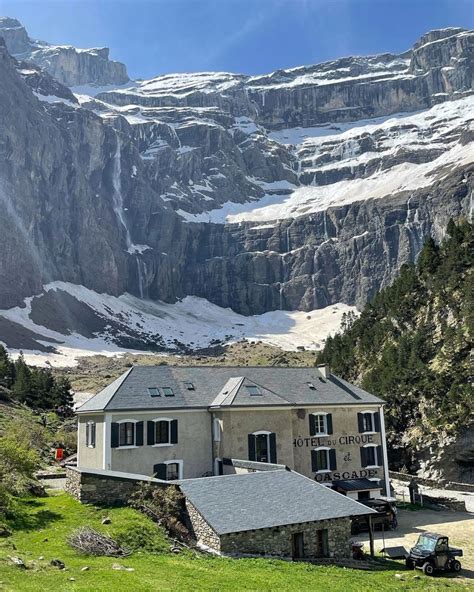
(47, 522)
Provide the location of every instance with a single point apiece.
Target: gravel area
(459, 526)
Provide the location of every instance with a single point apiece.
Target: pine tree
(7, 369)
(22, 386)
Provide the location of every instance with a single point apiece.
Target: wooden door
(297, 545)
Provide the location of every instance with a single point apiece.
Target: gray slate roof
(355, 484)
(224, 386)
(249, 501)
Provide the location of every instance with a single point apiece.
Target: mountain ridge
(118, 197)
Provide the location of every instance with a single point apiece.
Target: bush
(141, 534)
(163, 505)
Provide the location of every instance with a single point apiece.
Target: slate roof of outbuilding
(355, 484)
(279, 386)
(250, 501)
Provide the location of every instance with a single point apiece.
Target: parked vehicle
(387, 518)
(432, 553)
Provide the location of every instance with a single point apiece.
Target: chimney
(324, 369)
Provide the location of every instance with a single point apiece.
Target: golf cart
(432, 553)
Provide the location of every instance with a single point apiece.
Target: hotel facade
(187, 422)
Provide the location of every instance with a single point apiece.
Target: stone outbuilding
(272, 513)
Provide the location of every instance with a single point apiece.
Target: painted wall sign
(325, 441)
(336, 475)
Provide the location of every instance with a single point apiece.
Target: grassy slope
(48, 522)
(94, 373)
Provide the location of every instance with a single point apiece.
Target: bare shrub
(88, 541)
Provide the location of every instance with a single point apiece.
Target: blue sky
(250, 36)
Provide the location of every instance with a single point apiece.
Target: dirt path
(459, 526)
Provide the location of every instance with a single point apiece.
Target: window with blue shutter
(329, 424)
(114, 435)
(251, 442)
(377, 422)
(139, 433)
(174, 431)
(159, 471)
(273, 448)
(379, 456)
(150, 433)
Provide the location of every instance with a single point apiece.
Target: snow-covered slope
(343, 163)
(291, 191)
(191, 324)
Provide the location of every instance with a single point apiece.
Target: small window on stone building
(322, 543)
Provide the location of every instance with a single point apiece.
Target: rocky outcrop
(15, 35)
(117, 196)
(69, 65)
(74, 67)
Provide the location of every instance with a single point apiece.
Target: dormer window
(189, 386)
(253, 390)
(153, 391)
(167, 391)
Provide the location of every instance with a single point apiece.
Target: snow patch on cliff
(193, 323)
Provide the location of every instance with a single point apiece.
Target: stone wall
(277, 541)
(200, 529)
(434, 483)
(104, 487)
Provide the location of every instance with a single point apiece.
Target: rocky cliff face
(207, 185)
(69, 65)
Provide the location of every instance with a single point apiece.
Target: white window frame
(88, 441)
(376, 456)
(324, 415)
(165, 444)
(327, 449)
(180, 468)
(216, 427)
(267, 434)
(128, 446)
(372, 413)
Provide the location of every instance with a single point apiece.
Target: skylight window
(311, 386)
(189, 386)
(153, 391)
(253, 390)
(167, 391)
